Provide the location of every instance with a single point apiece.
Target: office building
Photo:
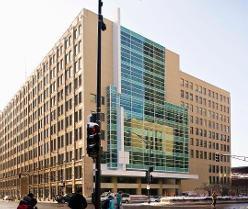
(144, 124)
(209, 126)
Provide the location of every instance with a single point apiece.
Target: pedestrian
(214, 199)
(28, 202)
(119, 199)
(106, 203)
(113, 203)
(77, 201)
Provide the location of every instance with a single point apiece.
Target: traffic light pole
(98, 107)
(149, 180)
(148, 187)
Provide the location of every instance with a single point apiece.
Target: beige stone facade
(43, 127)
(209, 125)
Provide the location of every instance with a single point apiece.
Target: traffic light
(148, 175)
(93, 138)
(217, 157)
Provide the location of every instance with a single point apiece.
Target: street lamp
(97, 158)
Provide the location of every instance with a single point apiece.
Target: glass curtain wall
(155, 132)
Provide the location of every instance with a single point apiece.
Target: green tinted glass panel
(155, 131)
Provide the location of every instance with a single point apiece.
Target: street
(221, 206)
(13, 205)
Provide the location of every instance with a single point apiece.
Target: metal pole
(98, 108)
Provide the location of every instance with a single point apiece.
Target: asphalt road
(13, 205)
(220, 206)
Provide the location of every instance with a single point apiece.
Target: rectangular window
(192, 153)
(197, 154)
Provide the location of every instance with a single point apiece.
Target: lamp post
(101, 27)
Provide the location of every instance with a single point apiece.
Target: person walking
(28, 202)
(113, 203)
(119, 199)
(107, 204)
(214, 199)
(77, 201)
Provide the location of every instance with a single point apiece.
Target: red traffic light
(93, 139)
(92, 128)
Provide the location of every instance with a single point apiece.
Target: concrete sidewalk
(182, 203)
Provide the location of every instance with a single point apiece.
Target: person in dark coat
(28, 202)
(77, 201)
(106, 203)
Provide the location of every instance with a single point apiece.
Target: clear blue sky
(210, 36)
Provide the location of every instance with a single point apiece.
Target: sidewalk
(183, 203)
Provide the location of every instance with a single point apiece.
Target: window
(182, 93)
(191, 130)
(75, 33)
(191, 119)
(209, 168)
(77, 65)
(68, 173)
(191, 108)
(77, 48)
(191, 96)
(186, 84)
(187, 95)
(79, 29)
(192, 153)
(196, 88)
(209, 145)
(78, 172)
(205, 155)
(197, 154)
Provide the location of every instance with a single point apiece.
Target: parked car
(63, 198)
(155, 198)
(7, 197)
(128, 198)
(125, 197)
